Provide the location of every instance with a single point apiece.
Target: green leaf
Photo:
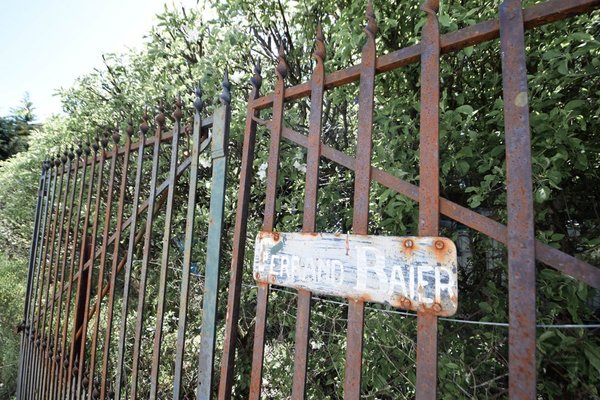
(546, 335)
(465, 109)
(563, 68)
(444, 20)
(573, 104)
(542, 194)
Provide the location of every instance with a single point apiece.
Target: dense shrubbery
(564, 81)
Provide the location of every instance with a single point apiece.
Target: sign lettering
(413, 273)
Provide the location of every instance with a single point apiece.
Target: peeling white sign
(412, 273)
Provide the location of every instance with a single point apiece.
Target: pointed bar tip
(256, 79)
(431, 7)
(198, 103)
(144, 127)
(282, 67)
(177, 114)
(371, 27)
(320, 52)
(226, 93)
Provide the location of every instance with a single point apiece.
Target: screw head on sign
(408, 244)
(439, 244)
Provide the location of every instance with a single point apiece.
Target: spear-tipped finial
(256, 79)
(160, 117)
(104, 140)
(71, 153)
(371, 27)
(177, 114)
(144, 127)
(282, 67)
(430, 6)
(88, 146)
(198, 103)
(226, 93)
(129, 129)
(65, 156)
(79, 150)
(57, 159)
(116, 136)
(76, 365)
(320, 52)
(95, 145)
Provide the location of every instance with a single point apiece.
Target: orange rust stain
(364, 297)
(313, 234)
(276, 236)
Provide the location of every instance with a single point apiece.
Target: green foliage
(16, 128)
(13, 278)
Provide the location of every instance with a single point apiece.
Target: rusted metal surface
(187, 252)
(360, 212)
(239, 242)
(268, 225)
(520, 223)
(313, 157)
(130, 249)
(429, 188)
(548, 255)
(115, 255)
(75, 345)
(164, 262)
(431, 204)
(220, 137)
(412, 273)
(536, 15)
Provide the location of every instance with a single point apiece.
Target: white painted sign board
(412, 273)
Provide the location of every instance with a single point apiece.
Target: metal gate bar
(523, 248)
(519, 187)
(70, 253)
(429, 188)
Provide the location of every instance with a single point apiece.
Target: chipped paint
(413, 273)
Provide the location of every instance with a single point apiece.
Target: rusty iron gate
(96, 305)
(518, 235)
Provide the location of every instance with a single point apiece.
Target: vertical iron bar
(116, 245)
(129, 257)
(360, 216)
(220, 137)
(268, 225)
(75, 372)
(103, 251)
(160, 119)
(39, 338)
(53, 272)
(68, 353)
(57, 342)
(187, 249)
(30, 274)
(54, 319)
(313, 158)
(429, 207)
(520, 223)
(164, 264)
(25, 391)
(35, 315)
(85, 382)
(239, 242)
